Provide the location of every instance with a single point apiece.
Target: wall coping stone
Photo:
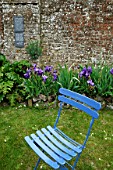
(18, 1)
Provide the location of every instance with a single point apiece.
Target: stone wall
(77, 32)
(1, 28)
(30, 10)
(71, 32)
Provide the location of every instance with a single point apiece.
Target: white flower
(41, 167)
(100, 159)
(36, 105)
(92, 134)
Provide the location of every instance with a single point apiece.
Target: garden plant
(40, 81)
(34, 49)
(11, 78)
(20, 81)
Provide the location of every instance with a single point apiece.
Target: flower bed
(20, 81)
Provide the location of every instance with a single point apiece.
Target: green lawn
(17, 122)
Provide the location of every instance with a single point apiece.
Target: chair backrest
(81, 102)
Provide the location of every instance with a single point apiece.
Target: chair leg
(75, 163)
(39, 159)
(63, 168)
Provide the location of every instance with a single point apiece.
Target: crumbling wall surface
(77, 32)
(1, 28)
(71, 31)
(31, 13)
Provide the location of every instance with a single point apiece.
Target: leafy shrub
(20, 67)
(34, 49)
(3, 59)
(11, 78)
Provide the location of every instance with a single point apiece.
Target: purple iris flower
(55, 76)
(82, 73)
(44, 77)
(89, 69)
(87, 74)
(29, 71)
(84, 69)
(90, 82)
(40, 72)
(36, 69)
(27, 75)
(55, 71)
(34, 65)
(48, 68)
(111, 71)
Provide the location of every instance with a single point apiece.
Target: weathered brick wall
(77, 32)
(31, 13)
(70, 32)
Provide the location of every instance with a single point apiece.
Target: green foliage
(14, 97)
(103, 80)
(17, 85)
(67, 78)
(6, 86)
(2, 59)
(11, 76)
(50, 87)
(20, 67)
(33, 86)
(34, 49)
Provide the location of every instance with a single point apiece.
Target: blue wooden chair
(52, 145)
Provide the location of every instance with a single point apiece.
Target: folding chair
(52, 145)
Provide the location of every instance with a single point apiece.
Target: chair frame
(52, 137)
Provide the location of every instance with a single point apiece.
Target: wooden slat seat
(52, 145)
(50, 162)
(59, 144)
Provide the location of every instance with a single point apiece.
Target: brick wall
(77, 32)
(70, 32)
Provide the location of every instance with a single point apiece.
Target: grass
(17, 122)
